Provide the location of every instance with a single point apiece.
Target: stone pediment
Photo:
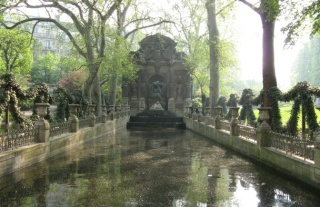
(158, 48)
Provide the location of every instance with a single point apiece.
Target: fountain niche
(163, 83)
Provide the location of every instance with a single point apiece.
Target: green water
(152, 168)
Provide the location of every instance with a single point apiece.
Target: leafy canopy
(15, 52)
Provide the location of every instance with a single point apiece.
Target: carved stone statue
(157, 90)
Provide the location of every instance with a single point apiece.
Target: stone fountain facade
(162, 79)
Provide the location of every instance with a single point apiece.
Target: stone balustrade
(293, 156)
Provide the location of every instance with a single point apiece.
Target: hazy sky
(250, 48)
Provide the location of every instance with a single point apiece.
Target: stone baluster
(263, 136)
(217, 119)
(92, 117)
(42, 125)
(73, 117)
(234, 123)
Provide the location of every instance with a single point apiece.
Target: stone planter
(73, 117)
(217, 119)
(234, 123)
(42, 125)
(42, 109)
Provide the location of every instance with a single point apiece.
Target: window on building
(48, 44)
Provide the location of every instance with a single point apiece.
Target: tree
(190, 23)
(268, 11)
(130, 19)
(302, 15)
(15, 52)
(306, 65)
(89, 19)
(45, 69)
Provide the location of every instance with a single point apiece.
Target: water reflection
(155, 168)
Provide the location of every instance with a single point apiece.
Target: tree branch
(41, 19)
(144, 27)
(250, 5)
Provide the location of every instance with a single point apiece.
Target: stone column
(234, 123)
(73, 117)
(218, 111)
(104, 114)
(111, 112)
(92, 117)
(263, 135)
(42, 125)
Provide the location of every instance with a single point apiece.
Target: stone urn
(264, 113)
(73, 109)
(42, 109)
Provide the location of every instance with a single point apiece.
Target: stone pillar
(104, 114)
(234, 123)
(42, 125)
(218, 111)
(73, 117)
(92, 117)
(263, 135)
(208, 111)
(111, 112)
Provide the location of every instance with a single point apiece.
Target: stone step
(179, 125)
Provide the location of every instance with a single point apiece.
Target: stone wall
(16, 159)
(306, 171)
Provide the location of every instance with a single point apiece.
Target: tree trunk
(92, 88)
(268, 68)
(214, 53)
(113, 90)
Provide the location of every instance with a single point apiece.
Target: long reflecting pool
(160, 168)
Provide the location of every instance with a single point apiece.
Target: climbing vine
(222, 101)
(301, 95)
(246, 112)
(13, 93)
(232, 102)
(63, 97)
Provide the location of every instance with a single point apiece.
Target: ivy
(301, 95)
(13, 93)
(222, 101)
(246, 112)
(232, 102)
(63, 97)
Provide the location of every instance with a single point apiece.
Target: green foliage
(271, 8)
(13, 93)
(232, 102)
(306, 65)
(45, 69)
(118, 60)
(301, 94)
(302, 14)
(246, 112)
(15, 52)
(63, 97)
(222, 101)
